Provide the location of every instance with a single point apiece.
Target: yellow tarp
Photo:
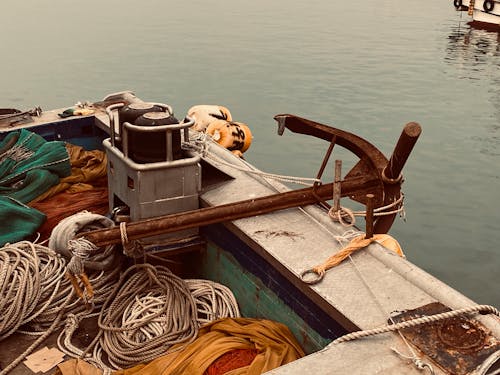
(274, 342)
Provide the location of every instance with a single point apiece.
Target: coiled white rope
(102, 283)
(143, 313)
(146, 296)
(34, 294)
(213, 300)
(29, 281)
(30, 276)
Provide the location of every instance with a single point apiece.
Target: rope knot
(344, 216)
(76, 265)
(132, 249)
(72, 322)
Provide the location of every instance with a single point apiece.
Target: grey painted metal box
(153, 189)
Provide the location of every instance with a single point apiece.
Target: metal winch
(148, 173)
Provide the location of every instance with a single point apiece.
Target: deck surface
(365, 288)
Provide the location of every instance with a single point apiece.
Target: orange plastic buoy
(235, 136)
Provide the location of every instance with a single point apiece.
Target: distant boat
(485, 13)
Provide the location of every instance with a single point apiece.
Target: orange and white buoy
(235, 136)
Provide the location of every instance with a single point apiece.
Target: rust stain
(457, 345)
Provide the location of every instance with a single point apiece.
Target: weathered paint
(262, 293)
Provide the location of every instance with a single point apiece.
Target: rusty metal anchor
(375, 174)
(372, 175)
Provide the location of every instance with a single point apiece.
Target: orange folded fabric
(274, 343)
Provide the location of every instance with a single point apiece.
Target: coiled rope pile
(30, 277)
(213, 301)
(34, 294)
(149, 310)
(141, 315)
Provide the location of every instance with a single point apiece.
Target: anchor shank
(227, 212)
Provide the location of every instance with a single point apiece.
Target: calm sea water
(366, 67)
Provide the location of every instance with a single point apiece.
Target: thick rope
(357, 243)
(213, 301)
(347, 217)
(418, 321)
(102, 283)
(66, 346)
(163, 309)
(341, 216)
(150, 310)
(31, 278)
(33, 289)
(38, 341)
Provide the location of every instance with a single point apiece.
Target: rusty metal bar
(337, 185)
(391, 173)
(227, 212)
(326, 158)
(406, 141)
(369, 216)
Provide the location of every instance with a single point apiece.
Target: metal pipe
(111, 115)
(158, 128)
(369, 216)
(226, 212)
(168, 140)
(326, 158)
(149, 166)
(337, 185)
(406, 141)
(166, 107)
